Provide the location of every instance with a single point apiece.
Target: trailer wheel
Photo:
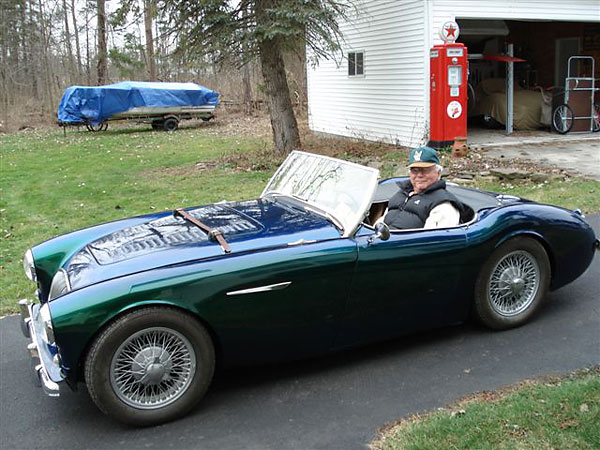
(170, 124)
(100, 127)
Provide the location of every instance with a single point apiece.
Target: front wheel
(150, 366)
(512, 284)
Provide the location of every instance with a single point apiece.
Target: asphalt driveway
(335, 402)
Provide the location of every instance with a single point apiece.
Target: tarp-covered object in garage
(95, 104)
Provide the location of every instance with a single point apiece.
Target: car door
(410, 281)
(279, 304)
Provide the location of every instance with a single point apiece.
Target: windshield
(339, 188)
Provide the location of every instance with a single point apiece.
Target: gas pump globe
(448, 89)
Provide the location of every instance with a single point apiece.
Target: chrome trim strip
(271, 287)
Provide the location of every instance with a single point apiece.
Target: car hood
(159, 240)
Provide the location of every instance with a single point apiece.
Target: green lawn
(52, 183)
(559, 414)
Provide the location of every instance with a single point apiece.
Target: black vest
(412, 212)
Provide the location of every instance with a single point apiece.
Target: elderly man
(423, 201)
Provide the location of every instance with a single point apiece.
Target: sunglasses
(417, 170)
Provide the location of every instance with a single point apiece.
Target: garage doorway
(539, 80)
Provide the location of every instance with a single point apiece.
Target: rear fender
(532, 235)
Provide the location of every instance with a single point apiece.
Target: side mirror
(382, 231)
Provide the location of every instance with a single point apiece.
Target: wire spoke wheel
(563, 119)
(152, 368)
(514, 283)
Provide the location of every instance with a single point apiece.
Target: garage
(553, 63)
(379, 86)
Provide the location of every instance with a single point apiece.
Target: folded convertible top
(95, 104)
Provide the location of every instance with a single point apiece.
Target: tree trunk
(283, 121)
(49, 91)
(286, 136)
(247, 89)
(148, 13)
(76, 33)
(88, 70)
(72, 74)
(102, 65)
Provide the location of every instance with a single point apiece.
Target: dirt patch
(365, 152)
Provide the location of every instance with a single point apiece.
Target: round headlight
(60, 284)
(29, 266)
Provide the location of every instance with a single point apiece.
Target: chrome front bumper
(47, 374)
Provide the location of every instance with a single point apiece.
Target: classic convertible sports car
(142, 309)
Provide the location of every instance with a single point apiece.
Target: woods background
(48, 45)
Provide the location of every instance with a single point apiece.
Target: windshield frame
(350, 223)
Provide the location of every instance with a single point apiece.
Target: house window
(356, 64)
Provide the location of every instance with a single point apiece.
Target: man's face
(423, 177)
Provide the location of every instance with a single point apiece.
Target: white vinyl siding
(390, 102)
(388, 99)
(560, 10)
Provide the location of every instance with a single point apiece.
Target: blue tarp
(95, 104)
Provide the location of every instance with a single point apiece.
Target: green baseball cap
(423, 157)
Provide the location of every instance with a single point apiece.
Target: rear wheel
(512, 284)
(150, 366)
(563, 119)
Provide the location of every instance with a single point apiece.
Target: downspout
(428, 43)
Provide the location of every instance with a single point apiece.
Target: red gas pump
(448, 89)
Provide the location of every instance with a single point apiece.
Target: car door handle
(270, 287)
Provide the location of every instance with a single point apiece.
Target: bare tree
(76, 34)
(149, 7)
(102, 52)
(71, 62)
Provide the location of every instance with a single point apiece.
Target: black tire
(127, 387)
(94, 128)
(562, 119)
(596, 118)
(170, 124)
(512, 284)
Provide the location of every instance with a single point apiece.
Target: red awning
(501, 58)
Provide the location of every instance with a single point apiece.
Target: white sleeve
(382, 217)
(443, 215)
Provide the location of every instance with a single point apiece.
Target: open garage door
(541, 50)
